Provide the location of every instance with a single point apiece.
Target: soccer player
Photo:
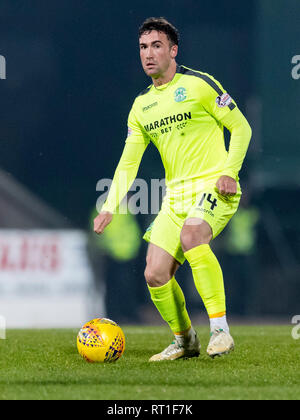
(183, 113)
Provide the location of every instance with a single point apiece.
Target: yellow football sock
(208, 278)
(170, 303)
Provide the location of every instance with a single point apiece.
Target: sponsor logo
(129, 132)
(168, 120)
(224, 100)
(146, 108)
(206, 211)
(180, 94)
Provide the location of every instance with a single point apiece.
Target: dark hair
(161, 25)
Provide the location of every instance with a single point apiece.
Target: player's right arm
(125, 174)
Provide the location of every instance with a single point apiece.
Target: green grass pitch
(44, 364)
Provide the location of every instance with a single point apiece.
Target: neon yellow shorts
(205, 203)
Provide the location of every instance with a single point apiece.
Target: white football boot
(220, 343)
(181, 347)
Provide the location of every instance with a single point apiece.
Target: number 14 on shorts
(208, 198)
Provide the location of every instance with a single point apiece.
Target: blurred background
(70, 71)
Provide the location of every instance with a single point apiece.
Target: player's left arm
(225, 110)
(240, 136)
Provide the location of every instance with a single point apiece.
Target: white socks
(215, 324)
(219, 323)
(189, 336)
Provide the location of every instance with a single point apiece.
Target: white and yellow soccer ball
(101, 340)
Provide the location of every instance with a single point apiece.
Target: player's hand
(101, 221)
(226, 185)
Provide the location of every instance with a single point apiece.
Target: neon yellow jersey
(185, 120)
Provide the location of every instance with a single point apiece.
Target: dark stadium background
(73, 72)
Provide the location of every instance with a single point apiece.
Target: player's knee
(155, 276)
(193, 236)
(189, 240)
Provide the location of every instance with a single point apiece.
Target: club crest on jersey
(180, 94)
(224, 100)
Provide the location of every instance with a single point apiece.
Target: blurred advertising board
(46, 279)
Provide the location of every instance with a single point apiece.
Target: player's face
(156, 53)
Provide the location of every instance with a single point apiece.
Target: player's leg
(203, 223)
(207, 273)
(169, 300)
(165, 292)
(196, 235)
(160, 266)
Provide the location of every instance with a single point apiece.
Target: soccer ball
(101, 340)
